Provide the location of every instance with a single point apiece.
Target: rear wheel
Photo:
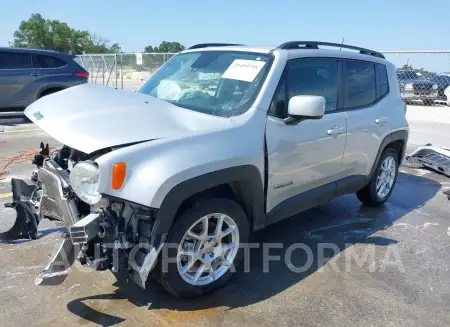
(383, 180)
(48, 92)
(203, 247)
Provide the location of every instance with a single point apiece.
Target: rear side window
(360, 84)
(49, 61)
(13, 60)
(314, 77)
(383, 81)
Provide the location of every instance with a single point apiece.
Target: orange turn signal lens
(118, 175)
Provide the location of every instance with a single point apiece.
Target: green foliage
(149, 49)
(165, 47)
(40, 33)
(405, 67)
(420, 71)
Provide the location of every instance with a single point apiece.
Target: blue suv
(28, 74)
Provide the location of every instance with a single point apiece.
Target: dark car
(416, 87)
(28, 74)
(443, 82)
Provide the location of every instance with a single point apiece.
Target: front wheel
(383, 180)
(202, 248)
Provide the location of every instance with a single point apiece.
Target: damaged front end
(110, 234)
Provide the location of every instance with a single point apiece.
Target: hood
(91, 117)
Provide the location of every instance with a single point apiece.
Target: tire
(170, 275)
(368, 195)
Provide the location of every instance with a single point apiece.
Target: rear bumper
(411, 95)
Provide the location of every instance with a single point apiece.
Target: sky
(379, 24)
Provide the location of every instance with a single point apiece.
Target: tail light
(82, 74)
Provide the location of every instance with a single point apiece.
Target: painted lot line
(6, 195)
(20, 130)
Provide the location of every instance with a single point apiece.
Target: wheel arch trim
(248, 174)
(399, 135)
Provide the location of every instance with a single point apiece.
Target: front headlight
(84, 181)
(435, 87)
(409, 87)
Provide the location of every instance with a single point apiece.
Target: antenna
(340, 49)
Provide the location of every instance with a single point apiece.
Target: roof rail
(315, 45)
(205, 45)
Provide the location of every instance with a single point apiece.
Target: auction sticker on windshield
(244, 70)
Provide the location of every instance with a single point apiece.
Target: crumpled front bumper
(56, 201)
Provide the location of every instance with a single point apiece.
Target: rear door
(368, 114)
(304, 160)
(17, 74)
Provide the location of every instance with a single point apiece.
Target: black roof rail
(315, 45)
(205, 45)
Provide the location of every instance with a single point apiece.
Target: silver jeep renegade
(221, 141)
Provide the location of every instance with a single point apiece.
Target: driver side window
(306, 76)
(315, 76)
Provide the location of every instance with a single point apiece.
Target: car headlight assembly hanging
(84, 179)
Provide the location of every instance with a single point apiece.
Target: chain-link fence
(123, 70)
(102, 68)
(424, 78)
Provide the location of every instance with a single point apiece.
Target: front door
(304, 160)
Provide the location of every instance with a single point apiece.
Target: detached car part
(432, 157)
(26, 202)
(27, 217)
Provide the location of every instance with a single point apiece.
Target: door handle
(380, 120)
(336, 131)
(34, 74)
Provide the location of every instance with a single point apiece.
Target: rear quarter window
(45, 61)
(383, 81)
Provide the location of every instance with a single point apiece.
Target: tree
(115, 48)
(405, 67)
(149, 49)
(420, 71)
(165, 47)
(40, 33)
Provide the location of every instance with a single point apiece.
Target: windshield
(222, 83)
(405, 75)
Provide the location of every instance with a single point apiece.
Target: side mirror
(303, 107)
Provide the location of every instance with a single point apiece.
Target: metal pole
(115, 63)
(121, 70)
(103, 69)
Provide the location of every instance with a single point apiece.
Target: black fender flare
(401, 135)
(248, 174)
